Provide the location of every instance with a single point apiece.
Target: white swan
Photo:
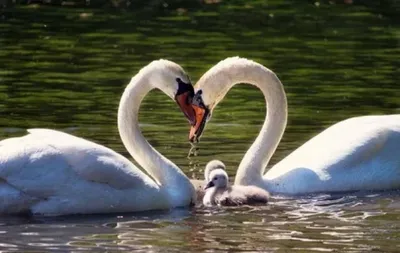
(361, 153)
(219, 192)
(53, 173)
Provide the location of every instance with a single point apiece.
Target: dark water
(66, 67)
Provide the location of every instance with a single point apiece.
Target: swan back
(360, 153)
(53, 173)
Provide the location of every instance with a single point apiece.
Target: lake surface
(64, 66)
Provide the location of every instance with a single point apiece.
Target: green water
(65, 67)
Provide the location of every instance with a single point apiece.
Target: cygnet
(218, 191)
(200, 184)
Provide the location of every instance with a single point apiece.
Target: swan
(357, 154)
(218, 192)
(48, 172)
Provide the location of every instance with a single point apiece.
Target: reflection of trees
(122, 4)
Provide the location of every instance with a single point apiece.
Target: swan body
(54, 173)
(48, 172)
(218, 192)
(361, 153)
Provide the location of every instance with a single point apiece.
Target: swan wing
(47, 163)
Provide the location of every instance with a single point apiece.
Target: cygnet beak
(209, 185)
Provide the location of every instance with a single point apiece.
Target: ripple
(7, 245)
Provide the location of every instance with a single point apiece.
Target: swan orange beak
(184, 102)
(201, 118)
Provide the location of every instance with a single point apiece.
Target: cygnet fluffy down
(218, 191)
(199, 185)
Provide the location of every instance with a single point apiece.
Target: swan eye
(198, 99)
(215, 178)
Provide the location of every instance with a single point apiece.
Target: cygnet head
(218, 179)
(212, 165)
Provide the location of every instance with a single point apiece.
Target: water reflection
(315, 223)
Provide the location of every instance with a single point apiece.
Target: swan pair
(357, 154)
(218, 192)
(53, 173)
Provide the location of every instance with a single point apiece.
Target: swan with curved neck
(49, 172)
(361, 153)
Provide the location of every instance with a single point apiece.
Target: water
(325, 223)
(66, 67)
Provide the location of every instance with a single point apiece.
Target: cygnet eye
(215, 178)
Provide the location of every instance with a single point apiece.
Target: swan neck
(164, 172)
(256, 159)
(236, 70)
(128, 127)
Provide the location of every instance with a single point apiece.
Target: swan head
(211, 166)
(173, 80)
(218, 179)
(211, 89)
